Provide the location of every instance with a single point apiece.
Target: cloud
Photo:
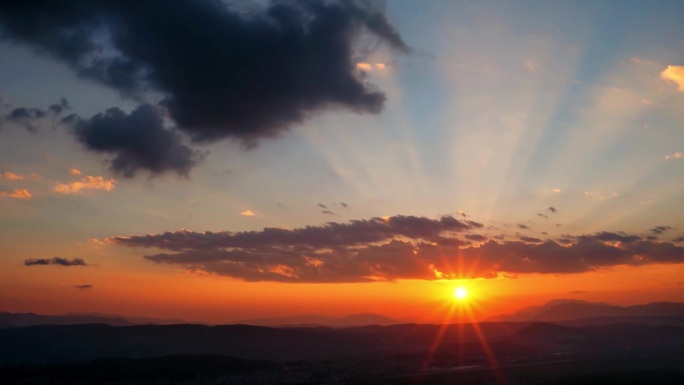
(327, 212)
(674, 75)
(523, 227)
(33, 118)
(364, 66)
(330, 235)
(531, 65)
(19, 176)
(217, 72)
(74, 172)
(138, 141)
(84, 286)
(392, 248)
(531, 239)
(661, 229)
(17, 193)
(552, 209)
(321, 205)
(344, 205)
(676, 155)
(597, 196)
(247, 213)
(87, 183)
(58, 261)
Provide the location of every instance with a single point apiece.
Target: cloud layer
(392, 248)
(221, 72)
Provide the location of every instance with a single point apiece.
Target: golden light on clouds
(19, 176)
(676, 155)
(87, 183)
(363, 66)
(674, 75)
(74, 171)
(247, 213)
(17, 193)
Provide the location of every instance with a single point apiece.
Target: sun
(460, 293)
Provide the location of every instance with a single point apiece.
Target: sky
(221, 161)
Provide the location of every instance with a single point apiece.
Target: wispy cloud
(84, 286)
(247, 213)
(661, 229)
(75, 172)
(676, 155)
(57, 261)
(19, 176)
(17, 193)
(87, 183)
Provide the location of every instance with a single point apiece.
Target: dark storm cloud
(84, 287)
(55, 261)
(137, 141)
(220, 73)
(386, 249)
(660, 229)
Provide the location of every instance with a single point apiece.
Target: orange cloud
(247, 213)
(676, 155)
(74, 171)
(19, 176)
(674, 75)
(17, 193)
(87, 183)
(364, 66)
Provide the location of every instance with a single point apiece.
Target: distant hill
(9, 320)
(566, 310)
(65, 344)
(361, 319)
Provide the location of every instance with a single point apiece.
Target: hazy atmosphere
(224, 161)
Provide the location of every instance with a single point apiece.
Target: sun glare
(460, 293)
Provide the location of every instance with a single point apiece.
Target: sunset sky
(220, 162)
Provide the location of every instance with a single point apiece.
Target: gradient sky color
(525, 124)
